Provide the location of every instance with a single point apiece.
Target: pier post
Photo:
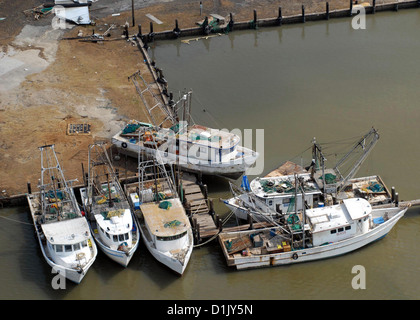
(396, 199)
(151, 33)
(139, 34)
(303, 13)
(231, 22)
(327, 13)
(351, 8)
(220, 224)
(126, 31)
(255, 21)
(396, 7)
(29, 188)
(205, 26)
(392, 194)
(198, 233)
(132, 11)
(176, 31)
(211, 205)
(280, 17)
(216, 220)
(205, 191)
(373, 6)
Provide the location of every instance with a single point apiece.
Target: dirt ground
(47, 83)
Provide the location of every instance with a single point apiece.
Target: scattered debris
(37, 12)
(153, 18)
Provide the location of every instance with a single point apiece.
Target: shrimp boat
(190, 146)
(164, 225)
(62, 231)
(109, 214)
(322, 186)
(310, 235)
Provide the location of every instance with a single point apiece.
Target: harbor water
(319, 79)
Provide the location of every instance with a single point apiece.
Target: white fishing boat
(62, 231)
(164, 225)
(277, 192)
(108, 211)
(311, 235)
(190, 146)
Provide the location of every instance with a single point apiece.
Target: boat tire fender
(124, 145)
(295, 256)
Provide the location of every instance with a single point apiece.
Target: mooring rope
(10, 219)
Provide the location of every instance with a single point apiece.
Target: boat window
(76, 246)
(121, 237)
(333, 231)
(340, 229)
(172, 237)
(108, 236)
(270, 202)
(68, 248)
(84, 244)
(126, 236)
(115, 238)
(58, 248)
(348, 227)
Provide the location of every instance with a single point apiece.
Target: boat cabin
(113, 223)
(68, 241)
(278, 193)
(339, 222)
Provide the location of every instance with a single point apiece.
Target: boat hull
(311, 254)
(231, 169)
(175, 265)
(118, 256)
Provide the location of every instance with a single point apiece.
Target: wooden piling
(29, 187)
(139, 33)
(255, 21)
(373, 6)
(280, 17)
(132, 12)
(351, 8)
(303, 13)
(231, 22)
(392, 194)
(327, 11)
(151, 33)
(176, 31)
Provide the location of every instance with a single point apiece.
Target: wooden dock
(205, 224)
(197, 206)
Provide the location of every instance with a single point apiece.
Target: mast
(367, 142)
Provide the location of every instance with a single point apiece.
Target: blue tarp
(378, 220)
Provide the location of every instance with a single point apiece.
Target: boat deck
(165, 218)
